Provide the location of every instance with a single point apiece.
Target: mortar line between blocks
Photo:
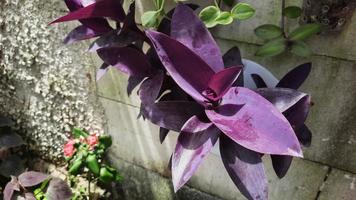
(322, 184)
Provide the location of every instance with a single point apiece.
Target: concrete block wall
(329, 168)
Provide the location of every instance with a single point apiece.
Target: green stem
(282, 18)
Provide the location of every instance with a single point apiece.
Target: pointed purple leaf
(150, 88)
(221, 82)
(73, 4)
(296, 77)
(188, 70)
(304, 135)
(58, 190)
(10, 188)
(281, 164)
(281, 98)
(298, 113)
(126, 59)
(163, 134)
(194, 143)
(260, 83)
(32, 178)
(254, 123)
(133, 82)
(102, 71)
(171, 115)
(10, 140)
(188, 29)
(80, 33)
(245, 168)
(232, 57)
(129, 26)
(102, 8)
(11, 165)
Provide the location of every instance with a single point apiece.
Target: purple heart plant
(189, 87)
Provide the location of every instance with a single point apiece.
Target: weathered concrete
(339, 185)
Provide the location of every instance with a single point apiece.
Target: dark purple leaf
(11, 166)
(295, 78)
(232, 57)
(150, 88)
(163, 134)
(256, 124)
(102, 71)
(171, 115)
(304, 135)
(260, 83)
(188, 70)
(4, 121)
(111, 39)
(281, 164)
(133, 82)
(32, 178)
(281, 98)
(194, 143)
(126, 59)
(58, 190)
(222, 81)
(188, 29)
(103, 8)
(298, 113)
(245, 168)
(10, 188)
(10, 140)
(129, 27)
(73, 4)
(80, 33)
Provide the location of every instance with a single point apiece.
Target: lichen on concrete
(45, 86)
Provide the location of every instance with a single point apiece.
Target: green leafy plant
(278, 40)
(213, 15)
(151, 19)
(85, 156)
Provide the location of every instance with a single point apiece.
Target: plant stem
(282, 18)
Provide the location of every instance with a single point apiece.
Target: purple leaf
(73, 4)
(58, 190)
(298, 113)
(32, 178)
(281, 164)
(126, 59)
(29, 196)
(102, 71)
(10, 188)
(129, 25)
(304, 135)
(163, 134)
(245, 168)
(103, 8)
(232, 57)
(188, 70)
(254, 123)
(188, 29)
(295, 78)
(5, 122)
(222, 81)
(281, 98)
(171, 115)
(133, 82)
(80, 33)
(12, 166)
(150, 88)
(195, 141)
(260, 83)
(10, 140)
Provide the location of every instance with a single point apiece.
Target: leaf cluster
(277, 40)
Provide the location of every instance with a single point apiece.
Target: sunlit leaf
(224, 18)
(242, 11)
(150, 19)
(209, 15)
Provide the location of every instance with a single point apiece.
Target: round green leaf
(273, 48)
(209, 15)
(301, 49)
(150, 19)
(224, 18)
(305, 31)
(292, 12)
(268, 31)
(242, 11)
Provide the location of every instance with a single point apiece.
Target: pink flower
(92, 140)
(69, 148)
